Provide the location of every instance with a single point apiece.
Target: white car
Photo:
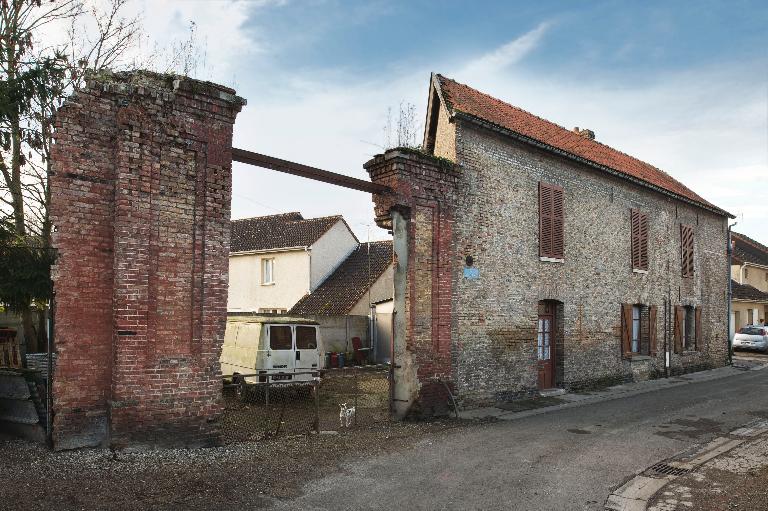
(752, 337)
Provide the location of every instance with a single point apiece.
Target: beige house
(749, 272)
(276, 260)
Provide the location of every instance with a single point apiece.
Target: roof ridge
(267, 216)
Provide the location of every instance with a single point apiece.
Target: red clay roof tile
(465, 99)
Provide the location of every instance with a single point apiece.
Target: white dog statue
(346, 415)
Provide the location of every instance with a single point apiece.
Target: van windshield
(280, 338)
(306, 338)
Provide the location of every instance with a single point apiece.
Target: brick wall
(141, 204)
(424, 193)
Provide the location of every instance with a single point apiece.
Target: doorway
(546, 345)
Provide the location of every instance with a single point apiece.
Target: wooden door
(545, 347)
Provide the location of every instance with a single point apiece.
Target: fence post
(354, 382)
(317, 407)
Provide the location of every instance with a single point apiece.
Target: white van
(273, 348)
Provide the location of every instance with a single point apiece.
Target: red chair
(361, 354)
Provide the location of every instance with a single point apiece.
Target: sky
(681, 85)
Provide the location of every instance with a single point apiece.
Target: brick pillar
(141, 190)
(420, 214)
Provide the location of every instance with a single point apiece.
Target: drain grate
(668, 470)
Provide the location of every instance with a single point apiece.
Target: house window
(272, 311)
(267, 271)
(635, 329)
(639, 228)
(638, 329)
(746, 273)
(687, 328)
(686, 250)
(551, 213)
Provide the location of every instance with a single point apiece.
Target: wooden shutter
(686, 250)
(558, 240)
(551, 213)
(639, 228)
(679, 315)
(697, 333)
(652, 330)
(626, 329)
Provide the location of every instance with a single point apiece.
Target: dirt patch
(245, 474)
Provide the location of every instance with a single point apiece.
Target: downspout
(730, 294)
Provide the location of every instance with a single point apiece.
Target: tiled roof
(747, 292)
(278, 231)
(349, 282)
(461, 98)
(745, 249)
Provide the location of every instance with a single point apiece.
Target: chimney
(584, 133)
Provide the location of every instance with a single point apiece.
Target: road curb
(612, 394)
(635, 494)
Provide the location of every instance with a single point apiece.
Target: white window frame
(267, 271)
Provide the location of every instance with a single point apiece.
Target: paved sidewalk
(567, 400)
(735, 479)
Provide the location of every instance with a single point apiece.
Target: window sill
(641, 272)
(268, 284)
(640, 357)
(551, 260)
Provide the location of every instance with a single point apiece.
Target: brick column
(141, 204)
(420, 214)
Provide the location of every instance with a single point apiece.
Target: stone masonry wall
(496, 222)
(141, 190)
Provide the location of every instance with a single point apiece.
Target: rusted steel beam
(297, 169)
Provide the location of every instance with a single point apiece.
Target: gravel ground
(242, 474)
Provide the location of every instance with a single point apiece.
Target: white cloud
(510, 53)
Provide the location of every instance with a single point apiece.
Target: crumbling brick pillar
(420, 213)
(141, 191)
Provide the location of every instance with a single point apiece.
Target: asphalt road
(562, 460)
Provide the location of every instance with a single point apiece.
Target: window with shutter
(686, 250)
(551, 215)
(639, 228)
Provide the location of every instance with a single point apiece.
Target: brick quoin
(424, 190)
(141, 190)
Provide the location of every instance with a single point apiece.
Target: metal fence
(341, 399)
